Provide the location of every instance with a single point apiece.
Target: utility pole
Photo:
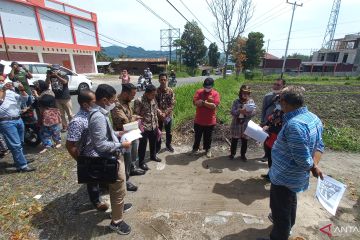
(4, 39)
(264, 62)
(288, 39)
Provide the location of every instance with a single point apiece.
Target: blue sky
(129, 22)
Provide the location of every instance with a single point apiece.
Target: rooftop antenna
(331, 27)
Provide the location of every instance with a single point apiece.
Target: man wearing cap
(11, 124)
(123, 114)
(206, 101)
(60, 86)
(16, 75)
(147, 108)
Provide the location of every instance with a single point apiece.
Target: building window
(344, 60)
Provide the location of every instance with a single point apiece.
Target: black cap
(15, 63)
(208, 82)
(55, 67)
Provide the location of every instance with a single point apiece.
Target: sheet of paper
(255, 132)
(131, 126)
(329, 193)
(131, 136)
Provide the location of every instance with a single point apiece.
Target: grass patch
(185, 110)
(342, 138)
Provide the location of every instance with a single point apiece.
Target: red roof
(270, 56)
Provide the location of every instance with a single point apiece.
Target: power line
(198, 20)
(157, 15)
(265, 15)
(185, 18)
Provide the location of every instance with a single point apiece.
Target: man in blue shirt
(11, 125)
(296, 152)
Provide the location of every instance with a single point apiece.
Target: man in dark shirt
(60, 86)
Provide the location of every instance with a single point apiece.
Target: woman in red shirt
(206, 101)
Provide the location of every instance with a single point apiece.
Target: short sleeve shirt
(206, 116)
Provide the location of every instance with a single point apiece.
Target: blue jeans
(13, 132)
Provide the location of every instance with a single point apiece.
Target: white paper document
(131, 136)
(255, 132)
(131, 126)
(329, 193)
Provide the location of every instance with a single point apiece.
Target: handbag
(97, 169)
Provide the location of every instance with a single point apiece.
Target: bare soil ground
(182, 197)
(177, 199)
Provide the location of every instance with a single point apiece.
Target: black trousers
(234, 143)
(168, 134)
(283, 204)
(268, 155)
(206, 133)
(152, 137)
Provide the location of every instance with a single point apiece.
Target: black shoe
(121, 228)
(231, 157)
(131, 187)
(26, 169)
(156, 159)
(243, 158)
(136, 172)
(144, 167)
(266, 177)
(170, 148)
(127, 207)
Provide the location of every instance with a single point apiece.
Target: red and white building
(49, 31)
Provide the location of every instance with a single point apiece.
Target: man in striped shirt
(295, 154)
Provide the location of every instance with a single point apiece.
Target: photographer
(17, 76)
(60, 86)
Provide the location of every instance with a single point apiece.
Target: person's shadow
(181, 159)
(224, 162)
(71, 216)
(246, 191)
(249, 234)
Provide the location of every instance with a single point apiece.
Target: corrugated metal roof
(270, 56)
(152, 60)
(103, 63)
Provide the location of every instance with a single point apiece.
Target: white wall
(19, 21)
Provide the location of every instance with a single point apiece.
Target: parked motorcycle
(172, 82)
(32, 129)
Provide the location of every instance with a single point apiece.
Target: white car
(38, 70)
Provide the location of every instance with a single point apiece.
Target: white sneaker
(208, 154)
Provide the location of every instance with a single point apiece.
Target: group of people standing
(91, 133)
(46, 106)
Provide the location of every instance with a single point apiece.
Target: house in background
(271, 64)
(136, 66)
(49, 31)
(342, 58)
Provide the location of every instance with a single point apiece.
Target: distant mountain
(133, 52)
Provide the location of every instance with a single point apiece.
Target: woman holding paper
(243, 109)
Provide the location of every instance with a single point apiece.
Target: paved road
(117, 85)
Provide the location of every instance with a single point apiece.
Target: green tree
(304, 58)
(213, 55)
(254, 50)
(192, 45)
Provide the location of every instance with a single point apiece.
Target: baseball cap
(208, 82)
(55, 67)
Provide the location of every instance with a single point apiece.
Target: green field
(336, 102)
